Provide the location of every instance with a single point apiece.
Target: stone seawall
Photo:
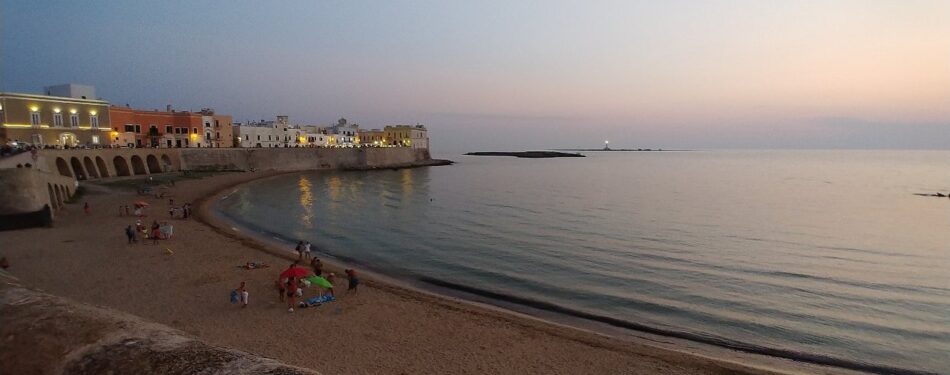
(45, 334)
(299, 159)
(24, 190)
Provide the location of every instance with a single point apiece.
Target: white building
(311, 136)
(344, 134)
(264, 133)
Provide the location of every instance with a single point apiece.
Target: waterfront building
(310, 136)
(218, 129)
(153, 128)
(264, 133)
(78, 120)
(372, 137)
(415, 136)
(344, 134)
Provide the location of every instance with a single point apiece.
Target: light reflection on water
(821, 252)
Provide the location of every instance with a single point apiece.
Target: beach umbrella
(295, 272)
(317, 280)
(141, 204)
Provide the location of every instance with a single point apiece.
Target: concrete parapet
(298, 159)
(45, 334)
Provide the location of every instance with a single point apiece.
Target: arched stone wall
(77, 168)
(121, 167)
(138, 167)
(152, 163)
(167, 165)
(63, 168)
(52, 197)
(90, 167)
(103, 170)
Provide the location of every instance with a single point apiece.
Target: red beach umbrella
(141, 204)
(295, 272)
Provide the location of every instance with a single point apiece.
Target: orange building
(166, 129)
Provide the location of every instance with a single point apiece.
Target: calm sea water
(821, 255)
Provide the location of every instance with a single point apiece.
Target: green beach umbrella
(317, 280)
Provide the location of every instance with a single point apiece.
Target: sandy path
(382, 330)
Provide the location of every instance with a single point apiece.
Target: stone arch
(167, 163)
(63, 167)
(59, 196)
(90, 168)
(121, 167)
(52, 197)
(77, 168)
(152, 163)
(138, 167)
(103, 171)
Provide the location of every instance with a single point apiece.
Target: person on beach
(291, 291)
(242, 293)
(299, 250)
(156, 232)
(331, 278)
(354, 281)
(4, 263)
(317, 266)
(130, 233)
(306, 249)
(85, 207)
(126, 210)
(281, 289)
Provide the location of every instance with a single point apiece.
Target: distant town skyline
(515, 75)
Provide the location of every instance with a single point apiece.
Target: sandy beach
(184, 282)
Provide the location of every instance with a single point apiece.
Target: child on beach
(242, 294)
(317, 266)
(291, 290)
(354, 281)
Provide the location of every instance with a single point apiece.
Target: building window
(247, 137)
(207, 124)
(74, 120)
(129, 128)
(168, 129)
(194, 130)
(58, 120)
(94, 121)
(216, 124)
(217, 135)
(95, 139)
(35, 118)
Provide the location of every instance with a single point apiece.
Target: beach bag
(234, 296)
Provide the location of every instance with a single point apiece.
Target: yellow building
(374, 137)
(43, 120)
(414, 136)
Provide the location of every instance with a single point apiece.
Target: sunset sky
(487, 75)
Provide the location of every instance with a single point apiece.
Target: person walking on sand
(130, 233)
(85, 207)
(299, 250)
(156, 232)
(242, 293)
(306, 249)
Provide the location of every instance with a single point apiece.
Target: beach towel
(321, 299)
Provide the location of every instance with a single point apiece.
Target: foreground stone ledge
(45, 334)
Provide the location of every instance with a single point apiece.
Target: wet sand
(184, 282)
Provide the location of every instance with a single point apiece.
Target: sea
(827, 257)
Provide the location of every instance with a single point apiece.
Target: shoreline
(517, 306)
(385, 328)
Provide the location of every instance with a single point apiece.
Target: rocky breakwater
(529, 154)
(45, 334)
